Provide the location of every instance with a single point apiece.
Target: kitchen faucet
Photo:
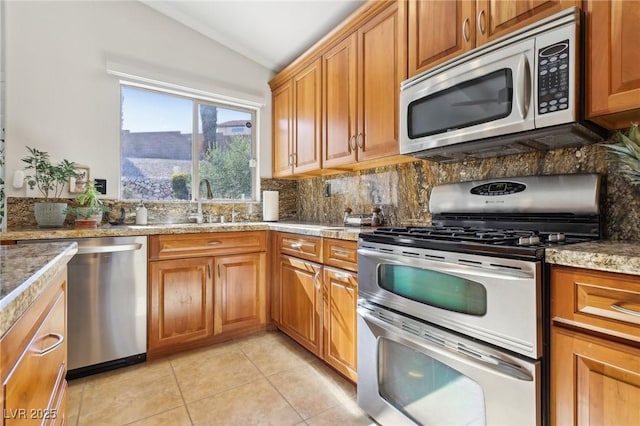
(209, 196)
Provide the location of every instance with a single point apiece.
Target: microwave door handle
(523, 86)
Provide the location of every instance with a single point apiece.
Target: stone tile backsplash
(402, 191)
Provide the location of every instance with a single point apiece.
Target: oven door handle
(447, 267)
(435, 344)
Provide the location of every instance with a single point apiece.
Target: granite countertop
(326, 231)
(610, 256)
(25, 270)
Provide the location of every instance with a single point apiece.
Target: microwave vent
(544, 139)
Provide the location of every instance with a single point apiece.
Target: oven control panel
(498, 188)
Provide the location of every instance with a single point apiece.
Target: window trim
(199, 97)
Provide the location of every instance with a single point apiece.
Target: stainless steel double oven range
(453, 322)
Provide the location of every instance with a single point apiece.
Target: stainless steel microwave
(520, 93)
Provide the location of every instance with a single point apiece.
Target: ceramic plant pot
(50, 215)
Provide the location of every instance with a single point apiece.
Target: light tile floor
(265, 379)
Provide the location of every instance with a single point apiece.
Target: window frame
(200, 97)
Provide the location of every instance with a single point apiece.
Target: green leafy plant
(625, 153)
(49, 178)
(89, 203)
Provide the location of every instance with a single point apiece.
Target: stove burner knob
(556, 237)
(527, 241)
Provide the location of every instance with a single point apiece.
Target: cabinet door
(180, 301)
(431, 43)
(301, 301)
(307, 105)
(613, 58)
(282, 110)
(339, 104)
(340, 338)
(593, 381)
(240, 292)
(382, 66)
(33, 390)
(497, 18)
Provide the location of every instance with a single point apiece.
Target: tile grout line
(184, 401)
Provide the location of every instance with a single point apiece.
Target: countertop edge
(19, 299)
(604, 255)
(326, 231)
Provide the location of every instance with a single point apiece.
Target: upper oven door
(485, 96)
(493, 299)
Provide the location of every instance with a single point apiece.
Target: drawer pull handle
(316, 281)
(53, 347)
(342, 276)
(296, 245)
(619, 308)
(338, 253)
(214, 243)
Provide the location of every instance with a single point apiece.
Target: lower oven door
(412, 373)
(494, 299)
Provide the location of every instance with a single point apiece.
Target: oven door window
(481, 100)
(426, 390)
(434, 288)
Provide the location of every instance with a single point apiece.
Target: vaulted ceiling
(270, 32)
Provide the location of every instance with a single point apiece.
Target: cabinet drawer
(211, 243)
(37, 381)
(602, 301)
(341, 254)
(304, 247)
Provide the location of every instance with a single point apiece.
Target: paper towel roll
(270, 206)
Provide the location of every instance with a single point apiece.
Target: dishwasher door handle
(109, 249)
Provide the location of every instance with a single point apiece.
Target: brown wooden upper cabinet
(361, 81)
(439, 30)
(613, 58)
(336, 107)
(296, 123)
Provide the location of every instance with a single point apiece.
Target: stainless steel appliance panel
(107, 313)
(493, 299)
(417, 374)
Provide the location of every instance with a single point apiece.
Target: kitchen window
(161, 159)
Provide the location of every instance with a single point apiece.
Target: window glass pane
(427, 390)
(224, 149)
(472, 102)
(156, 145)
(434, 288)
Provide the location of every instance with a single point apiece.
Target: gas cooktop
(514, 242)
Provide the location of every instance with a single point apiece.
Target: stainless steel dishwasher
(107, 304)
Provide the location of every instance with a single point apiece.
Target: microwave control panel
(553, 77)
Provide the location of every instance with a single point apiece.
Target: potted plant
(90, 209)
(625, 153)
(49, 179)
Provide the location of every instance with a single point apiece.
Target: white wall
(60, 98)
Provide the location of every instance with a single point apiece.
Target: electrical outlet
(327, 190)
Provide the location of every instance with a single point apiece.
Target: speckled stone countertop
(326, 231)
(25, 270)
(611, 256)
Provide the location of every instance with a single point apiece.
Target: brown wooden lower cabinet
(595, 347)
(33, 357)
(240, 292)
(595, 381)
(300, 283)
(315, 304)
(180, 301)
(204, 288)
(340, 321)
